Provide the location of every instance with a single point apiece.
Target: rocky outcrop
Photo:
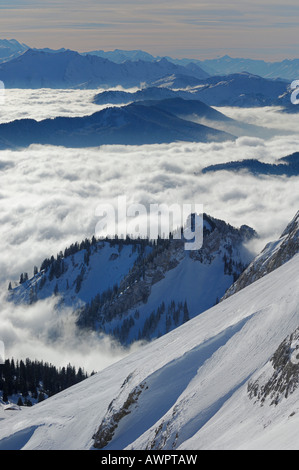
(116, 411)
(279, 378)
(274, 255)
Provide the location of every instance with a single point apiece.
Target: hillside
(138, 289)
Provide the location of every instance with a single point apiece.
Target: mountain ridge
(69, 69)
(238, 89)
(136, 289)
(132, 124)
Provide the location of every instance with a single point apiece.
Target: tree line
(36, 380)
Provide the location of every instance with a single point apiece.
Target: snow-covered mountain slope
(140, 290)
(82, 271)
(10, 49)
(239, 89)
(273, 255)
(133, 124)
(190, 389)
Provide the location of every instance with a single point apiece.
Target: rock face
(118, 409)
(274, 255)
(280, 377)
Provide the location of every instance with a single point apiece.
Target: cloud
(42, 332)
(49, 196)
(45, 103)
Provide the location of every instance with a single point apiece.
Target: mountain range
(69, 69)
(141, 122)
(214, 331)
(241, 90)
(287, 69)
(225, 380)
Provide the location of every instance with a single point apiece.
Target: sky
(261, 29)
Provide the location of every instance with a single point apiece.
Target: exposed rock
(280, 377)
(115, 413)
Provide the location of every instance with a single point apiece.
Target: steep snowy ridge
(273, 255)
(185, 390)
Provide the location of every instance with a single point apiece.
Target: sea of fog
(49, 195)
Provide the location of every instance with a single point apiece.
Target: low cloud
(49, 195)
(45, 333)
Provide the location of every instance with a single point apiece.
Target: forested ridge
(33, 381)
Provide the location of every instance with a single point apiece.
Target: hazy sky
(259, 29)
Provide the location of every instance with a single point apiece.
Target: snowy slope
(10, 49)
(186, 390)
(107, 266)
